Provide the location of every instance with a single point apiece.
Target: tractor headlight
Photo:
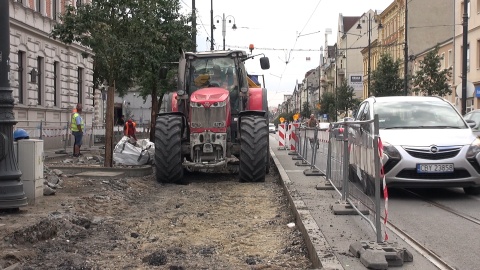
(474, 149)
(195, 104)
(219, 104)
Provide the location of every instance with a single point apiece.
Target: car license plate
(435, 168)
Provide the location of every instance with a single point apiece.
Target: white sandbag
(140, 153)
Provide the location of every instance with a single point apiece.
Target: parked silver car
(474, 117)
(426, 143)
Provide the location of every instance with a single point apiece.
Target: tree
(429, 79)
(129, 38)
(346, 97)
(160, 31)
(327, 105)
(305, 110)
(385, 79)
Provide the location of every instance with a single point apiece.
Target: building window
(56, 83)
(79, 3)
(54, 9)
(450, 58)
(21, 77)
(80, 84)
(442, 62)
(38, 6)
(468, 57)
(40, 80)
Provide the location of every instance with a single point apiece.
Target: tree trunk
(109, 125)
(154, 111)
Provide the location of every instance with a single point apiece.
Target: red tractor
(216, 120)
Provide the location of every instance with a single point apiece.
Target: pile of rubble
(52, 180)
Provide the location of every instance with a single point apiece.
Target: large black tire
(168, 149)
(253, 148)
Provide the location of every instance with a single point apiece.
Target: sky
(288, 34)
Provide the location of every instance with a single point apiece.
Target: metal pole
(194, 28)
(405, 60)
(345, 167)
(211, 25)
(12, 195)
(376, 161)
(369, 33)
(224, 30)
(464, 52)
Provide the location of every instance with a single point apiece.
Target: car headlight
(474, 149)
(391, 151)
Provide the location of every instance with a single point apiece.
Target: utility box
(30, 163)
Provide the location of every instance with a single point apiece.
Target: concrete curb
(319, 250)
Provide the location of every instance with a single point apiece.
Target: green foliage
(346, 97)
(305, 110)
(327, 105)
(429, 79)
(130, 39)
(385, 79)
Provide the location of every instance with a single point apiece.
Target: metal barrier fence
(349, 159)
(57, 135)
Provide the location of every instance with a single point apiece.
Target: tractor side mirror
(264, 62)
(162, 74)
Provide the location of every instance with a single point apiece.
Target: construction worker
(129, 129)
(77, 126)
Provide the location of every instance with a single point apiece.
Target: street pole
(464, 56)
(369, 48)
(211, 25)
(224, 30)
(405, 60)
(194, 27)
(12, 195)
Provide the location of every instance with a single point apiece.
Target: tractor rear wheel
(168, 149)
(253, 148)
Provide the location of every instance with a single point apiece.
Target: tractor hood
(209, 95)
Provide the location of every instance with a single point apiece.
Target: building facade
(48, 78)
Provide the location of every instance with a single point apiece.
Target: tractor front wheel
(168, 149)
(253, 148)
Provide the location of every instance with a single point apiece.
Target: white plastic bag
(126, 153)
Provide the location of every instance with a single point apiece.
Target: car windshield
(418, 114)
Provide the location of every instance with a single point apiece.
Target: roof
(349, 22)
(406, 98)
(215, 53)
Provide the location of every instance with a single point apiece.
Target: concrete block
(313, 172)
(297, 157)
(324, 184)
(302, 163)
(293, 153)
(344, 208)
(374, 260)
(356, 249)
(100, 175)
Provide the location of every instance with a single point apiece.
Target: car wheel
(472, 190)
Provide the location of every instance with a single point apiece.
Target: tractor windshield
(211, 72)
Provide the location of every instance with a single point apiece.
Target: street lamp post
(359, 26)
(12, 195)
(224, 25)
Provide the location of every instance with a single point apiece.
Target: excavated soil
(213, 222)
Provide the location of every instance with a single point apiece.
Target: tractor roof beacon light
(251, 47)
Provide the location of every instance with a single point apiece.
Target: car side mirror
(264, 62)
(471, 123)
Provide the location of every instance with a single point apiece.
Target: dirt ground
(213, 222)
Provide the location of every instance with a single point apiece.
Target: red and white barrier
(292, 135)
(384, 185)
(281, 136)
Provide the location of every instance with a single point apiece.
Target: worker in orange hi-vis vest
(129, 129)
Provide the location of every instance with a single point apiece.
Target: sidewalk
(329, 236)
